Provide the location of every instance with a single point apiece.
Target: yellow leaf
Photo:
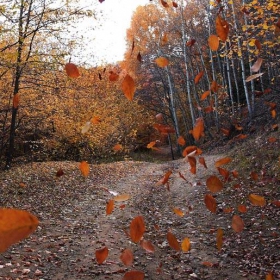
(186, 245)
(84, 168)
(15, 225)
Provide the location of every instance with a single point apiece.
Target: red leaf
(137, 229)
(72, 70)
(101, 255)
(127, 257)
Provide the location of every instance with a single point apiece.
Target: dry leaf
(84, 168)
(257, 200)
(219, 238)
(237, 223)
(137, 229)
(109, 207)
(198, 77)
(255, 76)
(16, 101)
(127, 257)
(122, 197)
(214, 184)
(198, 130)
(178, 212)
(222, 161)
(181, 141)
(133, 275)
(128, 87)
(15, 225)
(147, 245)
(162, 61)
(173, 242)
(210, 203)
(242, 208)
(72, 70)
(213, 42)
(205, 95)
(257, 65)
(86, 127)
(222, 28)
(186, 244)
(101, 255)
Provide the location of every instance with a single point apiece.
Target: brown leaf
(257, 65)
(198, 130)
(122, 197)
(165, 179)
(222, 161)
(192, 162)
(269, 276)
(189, 149)
(237, 223)
(257, 200)
(219, 238)
(147, 245)
(101, 255)
(242, 208)
(214, 184)
(210, 203)
(172, 241)
(84, 168)
(109, 207)
(139, 57)
(186, 245)
(127, 257)
(222, 28)
(133, 275)
(72, 70)
(198, 77)
(16, 101)
(59, 172)
(128, 87)
(15, 225)
(202, 161)
(178, 212)
(252, 77)
(137, 229)
(213, 42)
(113, 76)
(164, 4)
(205, 95)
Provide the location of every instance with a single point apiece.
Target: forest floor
(73, 221)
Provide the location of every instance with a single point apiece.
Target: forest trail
(74, 224)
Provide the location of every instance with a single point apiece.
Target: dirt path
(74, 224)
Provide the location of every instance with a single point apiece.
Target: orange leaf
(204, 95)
(257, 65)
(15, 225)
(225, 173)
(127, 257)
(178, 211)
(162, 61)
(192, 162)
(16, 101)
(165, 179)
(147, 245)
(101, 255)
(117, 147)
(186, 244)
(113, 76)
(198, 130)
(222, 28)
(109, 207)
(252, 77)
(226, 132)
(122, 197)
(257, 200)
(151, 145)
(228, 210)
(191, 149)
(137, 229)
(84, 167)
(242, 208)
(202, 161)
(95, 120)
(210, 203)
(222, 161)
(214, 86)
(128, 87)
(213, 42)
(198, 77)
(172, 241)
(209, 264)
(269, 276)
(273, 114)
(254, 176)
(219, 238)
(237, 223)
(214, 184)
(181, 141)
(235, 174)
(72, 70)
(133, 275)
(164, 129)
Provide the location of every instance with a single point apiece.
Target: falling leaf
(198, 77)
(128, 87)
(192, 162)
(252, 77)
(257, 200)
(151, 145)
(15, 225)
(269, 276)
(99, 76)
(214, 184)
(139, 57)
(190, 149)
(122, 197)
(147, 245)
(132, 47)
(127, 257)
(95, 120)
(237, 223)
(198, 130)
(222, 161)
(175, 5)
(16, 101)
(172, 241)
(164, 4)
(181, 141)
(225, 173)
(257, 65)
(164, 38)
(86, 127)
(109, 207)
(213, 42)
(228, 210)
(242, 208)
(205, 95)
(84, 167)
(117, 147)
(72, 70)
(186, 244)
(137, 229)
(258, 44)
(165, 178)
(209, 264)
(162, 61)
(164, 129)
(219, 238)
(222, 28)
(254, 176)
(214, 86)
(201, 160)
(191, 42)
(178, 212)
(210, 203)
(101, 255)
(113, 76)
(59, 172)
(276, 203)
(133, 275)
